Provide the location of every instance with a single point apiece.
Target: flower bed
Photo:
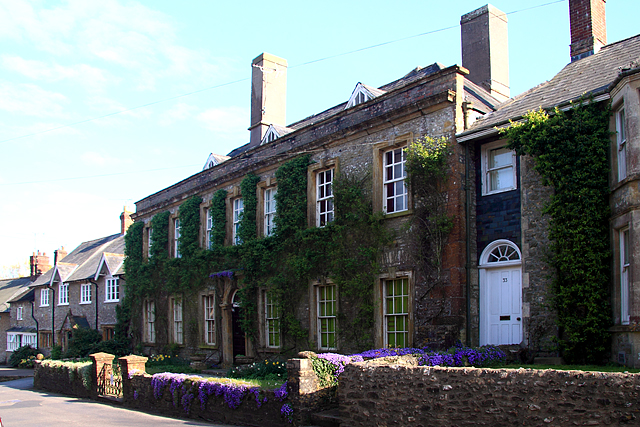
(329, 366)
(216, 399)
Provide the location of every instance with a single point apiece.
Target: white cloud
(31, 100)
(87, 75)
(178, 112)
(232, 120)
(128, 35)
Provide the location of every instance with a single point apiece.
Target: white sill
(504, 190)
(111, 300)
(85, 303)
(44, 305)
(66, 303)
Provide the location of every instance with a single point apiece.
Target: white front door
(501, 306)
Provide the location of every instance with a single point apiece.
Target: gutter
(37, 325)
(95, 283)
(52, 301)
(493, 130)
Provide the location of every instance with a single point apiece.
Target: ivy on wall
(426, 164)
(247, 227)
(218, 212)
(345, 252)
(570, 150)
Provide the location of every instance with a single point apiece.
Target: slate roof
(588, 76)
(115, 263)
(11, 289)
(85, 259)
(26, 295)
(482, 100)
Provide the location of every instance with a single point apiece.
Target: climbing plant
(570, 150)
(247, 228)
(427, 172)
(218, 213)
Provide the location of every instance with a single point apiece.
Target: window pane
(500, 157)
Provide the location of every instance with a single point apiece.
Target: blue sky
(63, 62)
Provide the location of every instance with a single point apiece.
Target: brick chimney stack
(588, 27)
(485, 49)
(268, 95)
(59, 254)
(125, 220)
(38, 264)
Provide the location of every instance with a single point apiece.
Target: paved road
(22, 406)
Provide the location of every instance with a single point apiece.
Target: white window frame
(85, 293)
(327, 309)
(238, 210)
(209, 226)
(178, 331)
(270, 210)
(486, 170)
(44, 297)
(209, 306)
(392, 178)
(63, 294)
(149, 240)
(625, 264)
(324, 197)
(621, 138)
(14, 341)
(150, 321)
(111, 289)
(19, 313)
(271, 322)
(391, 316)
(176, 238)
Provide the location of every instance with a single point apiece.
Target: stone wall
(62, 379)
(398, 395)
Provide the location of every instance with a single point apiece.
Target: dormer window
(271, 135)
(362, 94)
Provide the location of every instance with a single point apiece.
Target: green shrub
(23, 353)
(267, 370)
(83, 342)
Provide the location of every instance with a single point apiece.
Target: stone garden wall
(371, 394)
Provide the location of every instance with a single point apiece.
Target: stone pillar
(227, 334)
(132, 365)
(99, 360)
(303, 388)
(129, 367)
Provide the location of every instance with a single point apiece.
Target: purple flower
(287, 412)
(225, 273)
(281, 393)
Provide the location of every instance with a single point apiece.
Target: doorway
(239, 347)
(500, 294)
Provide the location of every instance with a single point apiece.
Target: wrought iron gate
(110, 380)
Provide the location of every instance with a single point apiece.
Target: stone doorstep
(330, 418)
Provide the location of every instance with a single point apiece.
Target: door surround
(498, 255)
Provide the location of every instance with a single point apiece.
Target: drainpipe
(37, 327)
(468, 238)
(52, 301)
(96, 283)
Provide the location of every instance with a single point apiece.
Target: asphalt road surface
(21, 406)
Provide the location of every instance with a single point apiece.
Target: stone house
(17, 327)
(362, 138)
(512, 242)
(82, 290)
